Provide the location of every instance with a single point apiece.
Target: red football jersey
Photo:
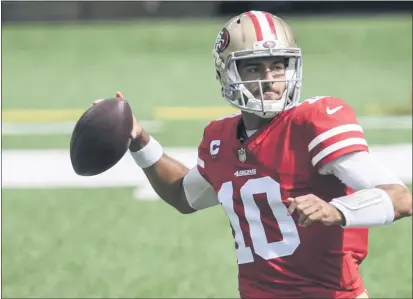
(277, 258)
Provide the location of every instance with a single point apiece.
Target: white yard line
(52, 169)
(386, 122)
(48, 169)
(57, 128)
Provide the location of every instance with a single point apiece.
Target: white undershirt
(358, 170)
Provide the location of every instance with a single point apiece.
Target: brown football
(101, 137)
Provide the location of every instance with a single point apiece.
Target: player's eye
(278, 68)
(252, 69)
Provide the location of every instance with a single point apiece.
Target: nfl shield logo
(242, 154)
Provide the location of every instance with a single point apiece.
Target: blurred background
(110, 236)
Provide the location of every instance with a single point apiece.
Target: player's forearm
(381, 197)
(165, 175)
(376, 206)
(401, 199)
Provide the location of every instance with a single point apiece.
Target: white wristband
(149, 154)
(366, 208)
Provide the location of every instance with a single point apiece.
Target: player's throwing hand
(137, 128)
(311, 209)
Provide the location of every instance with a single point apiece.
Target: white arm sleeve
(199, 193)
(359, 170)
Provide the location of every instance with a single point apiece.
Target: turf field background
(103, 243)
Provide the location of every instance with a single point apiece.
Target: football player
(295, 178)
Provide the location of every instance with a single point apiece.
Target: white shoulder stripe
(337, 146)
(333, 132)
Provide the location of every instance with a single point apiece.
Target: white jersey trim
(333, 132)
(201, 162)
(337, 146)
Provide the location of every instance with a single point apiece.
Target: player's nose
(267, 86)
(268, 75)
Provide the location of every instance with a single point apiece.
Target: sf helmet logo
(222, 41)
(269, 44)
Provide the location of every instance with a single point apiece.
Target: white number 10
(260, 244)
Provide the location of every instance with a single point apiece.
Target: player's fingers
(303, 205)
(307, 212)
(97, 101)
(317, 216)
(133, 134)
(119, 95)
(303, 198)
(292, 205)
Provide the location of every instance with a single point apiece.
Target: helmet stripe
(271, 23)
(266, 24)
(256, 23)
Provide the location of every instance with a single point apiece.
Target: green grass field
(100, 242)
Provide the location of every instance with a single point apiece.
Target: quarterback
(294, 177)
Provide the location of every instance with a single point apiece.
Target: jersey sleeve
(360, 170)
(204, 156)
(333, 130)
(199, 193)
(198, 188)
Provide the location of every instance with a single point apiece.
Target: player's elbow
(182, 205)
(184, 208)
(401, 198)
(179, 204)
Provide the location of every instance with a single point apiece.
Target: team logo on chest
(242, 154)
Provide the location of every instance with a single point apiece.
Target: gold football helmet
(250, 35)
